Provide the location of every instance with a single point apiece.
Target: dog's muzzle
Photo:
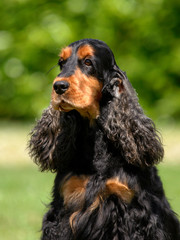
(61, 87)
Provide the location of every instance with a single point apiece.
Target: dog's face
(84, 66)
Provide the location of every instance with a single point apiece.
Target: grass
(23, 195)
(170, 176)
(24, 191)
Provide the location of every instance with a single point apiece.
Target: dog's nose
(61, 87)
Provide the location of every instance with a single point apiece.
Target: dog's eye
(88, 62)
(61, 62)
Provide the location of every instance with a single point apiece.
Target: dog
(103, 149)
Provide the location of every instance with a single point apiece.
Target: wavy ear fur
(43, 139)
(52, 140)
(125, 124)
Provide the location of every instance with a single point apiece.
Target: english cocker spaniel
(104, 149)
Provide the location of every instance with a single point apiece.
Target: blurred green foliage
(143, 34)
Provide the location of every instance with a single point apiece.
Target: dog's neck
(88, 143)
(90, 114)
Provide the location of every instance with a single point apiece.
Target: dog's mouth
(65, 107)
(62, 105)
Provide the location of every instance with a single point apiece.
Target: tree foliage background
(143, 34)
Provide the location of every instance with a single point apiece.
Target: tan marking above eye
(65, 53)
(85, 51)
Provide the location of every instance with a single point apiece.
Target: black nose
(61, 87)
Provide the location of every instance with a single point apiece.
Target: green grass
(170, 176)
(24, 192)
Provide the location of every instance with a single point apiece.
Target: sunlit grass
(23, 194)
(170, 176)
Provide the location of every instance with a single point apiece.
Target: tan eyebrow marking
(84, 51)
(65, 53)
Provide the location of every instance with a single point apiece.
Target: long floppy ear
(52, 140)
(43, 139)
(125, 124)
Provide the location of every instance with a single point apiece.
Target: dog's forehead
(85, 50)
(88, 48)
(65, 53)
(81, 51)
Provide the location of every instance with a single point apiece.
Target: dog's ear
(53, 139)
(43, 141)
(125, 124)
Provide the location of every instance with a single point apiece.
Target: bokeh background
(145, 38)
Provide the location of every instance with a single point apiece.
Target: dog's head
(86, 68)
(92, 86)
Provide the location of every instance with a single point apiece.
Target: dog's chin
(62, 106)
(64, 109)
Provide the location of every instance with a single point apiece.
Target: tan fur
(83, 95)
(65, 53)
(71, 220)
(114, 186)
(73, 191)
(85, 51)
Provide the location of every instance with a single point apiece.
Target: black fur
(123, 143)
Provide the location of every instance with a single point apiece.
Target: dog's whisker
(51, 69)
